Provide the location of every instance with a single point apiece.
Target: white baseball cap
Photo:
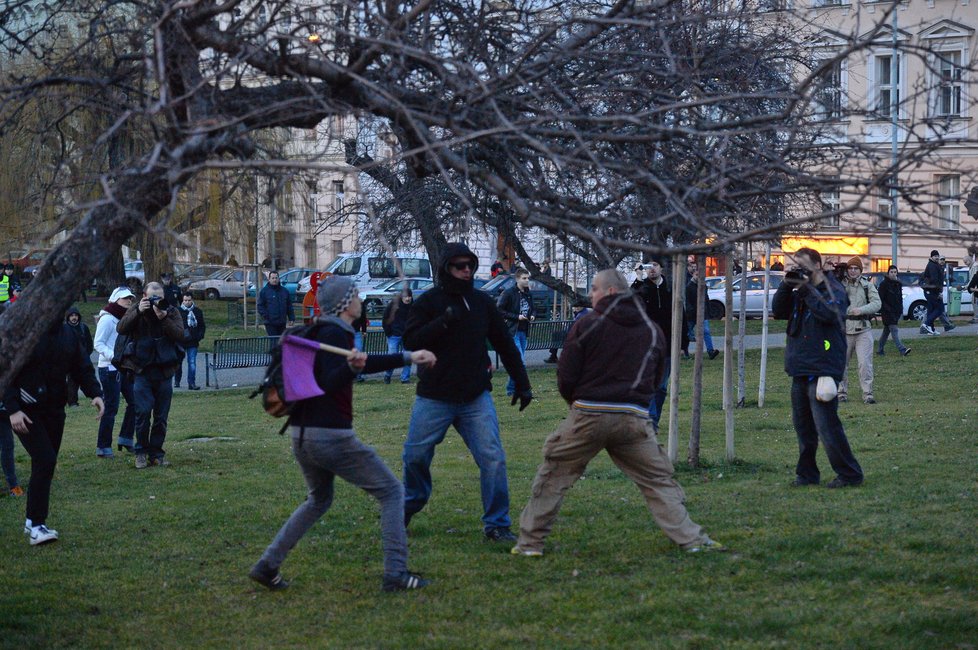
(120, 293)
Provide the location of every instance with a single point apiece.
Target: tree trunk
(762, 381)
(693, 455)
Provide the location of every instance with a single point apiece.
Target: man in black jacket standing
(453, 320)
(194, 328)
(516, 306)
(815, 305)
(35, 402)
(655, 294)
(275, 306)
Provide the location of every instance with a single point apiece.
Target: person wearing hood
(453, 320)
(114, 381)
(35, 403)
(325, 444)
(609, 387)
(74, 320)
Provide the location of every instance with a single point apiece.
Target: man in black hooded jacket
(35, 402)
(453, 320)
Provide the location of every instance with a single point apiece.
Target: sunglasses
(461, 266)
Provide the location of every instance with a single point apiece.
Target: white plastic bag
(826, 389)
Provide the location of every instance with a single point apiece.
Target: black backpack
(272, 386)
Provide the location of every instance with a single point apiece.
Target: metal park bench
(545, 335)
(252, 352)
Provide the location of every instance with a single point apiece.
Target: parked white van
(372, 269)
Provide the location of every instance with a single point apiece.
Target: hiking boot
(141, 461)
(525, 552)
(404, 582)
(16, 491)
(267, 577)
(714, 354)
(706, 545)
(41, 534)
(869, 400)
(500, 534)
(839, 483)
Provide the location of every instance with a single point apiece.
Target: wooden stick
(326, 347)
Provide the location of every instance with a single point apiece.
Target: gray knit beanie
(335, 294)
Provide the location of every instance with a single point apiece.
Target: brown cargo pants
(632, 445)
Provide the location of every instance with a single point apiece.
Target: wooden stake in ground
(762, 382)
(693, 455)
(728, 407)
(678, 273)
(741, 335)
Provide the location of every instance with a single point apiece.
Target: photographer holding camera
(815, 306)
(156, 329)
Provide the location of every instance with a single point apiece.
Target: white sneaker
(27, 526)
(42, 535)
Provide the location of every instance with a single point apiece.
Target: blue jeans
(519, 338)
(7, 453)
(935, 308)
(115, 383)
(894, 331)
(153, 397)
(323, 455)
(814, 421)
(191, 368)
(476, 422)
(659, 397)
(394, 346)
(707, 338)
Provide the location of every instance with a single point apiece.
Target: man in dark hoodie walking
(611, 365)
(35, 403)
(453, 320)
(80, 329)
(657, 298)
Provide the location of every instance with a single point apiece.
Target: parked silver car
(755, 295)
(224, 283)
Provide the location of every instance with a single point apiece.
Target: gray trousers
(323, 455)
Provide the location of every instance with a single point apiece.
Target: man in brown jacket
(613, 360)
(157, 331)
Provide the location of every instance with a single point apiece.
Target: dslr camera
(159, 302)
(796, 276)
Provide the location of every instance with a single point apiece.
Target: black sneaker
(267, 577)
(839, 483)
(500, 534)
(714, 354)
(800, 482)
(404, 582)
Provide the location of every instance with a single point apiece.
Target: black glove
(525, 397)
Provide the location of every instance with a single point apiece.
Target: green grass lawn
(159, 558)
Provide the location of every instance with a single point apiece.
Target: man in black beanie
(453, 320)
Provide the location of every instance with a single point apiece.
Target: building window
(884, 211)
(773, 5)
(887, 86)
(950, 84)
(338, 196)
(830, 204)
(881, 264)
(948, 202)
(829, 91)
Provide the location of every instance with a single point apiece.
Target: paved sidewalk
(250, 377)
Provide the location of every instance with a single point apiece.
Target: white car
(225, 283)
(134, 269)
(717, 296)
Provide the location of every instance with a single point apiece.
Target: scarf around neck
(191, 319)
